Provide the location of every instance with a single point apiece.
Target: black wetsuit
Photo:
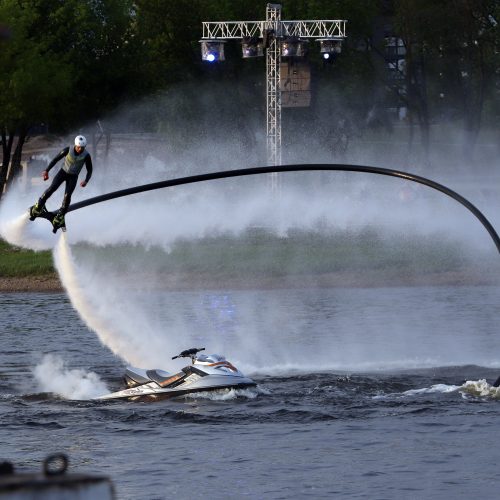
(63, 176)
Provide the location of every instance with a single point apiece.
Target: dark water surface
(376, 433)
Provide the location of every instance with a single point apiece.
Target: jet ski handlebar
(189, 353)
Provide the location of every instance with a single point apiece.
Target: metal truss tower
(273, 94)
(274, 30)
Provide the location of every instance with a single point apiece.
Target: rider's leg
(71, 181)
(59, 178)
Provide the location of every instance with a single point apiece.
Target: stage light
(212, 50)
(294, 47)
(330, 46)
(252, 47)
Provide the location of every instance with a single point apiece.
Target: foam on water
(53, 376)
(442, 388)
(228, 394)
(478, 388)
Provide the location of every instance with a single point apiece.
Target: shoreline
(35, 284)
(342, 279)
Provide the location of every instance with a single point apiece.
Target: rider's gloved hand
(45, 175)
(83, 184)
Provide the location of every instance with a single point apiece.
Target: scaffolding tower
(273, 30)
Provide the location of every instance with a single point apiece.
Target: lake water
(361, 395)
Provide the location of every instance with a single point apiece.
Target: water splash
(12, 230)
(480, 388)
(126, 334)
(15, 231)
(140, 328)
(53, 376)
(15, 227)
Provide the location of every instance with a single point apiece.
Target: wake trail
(477, 388)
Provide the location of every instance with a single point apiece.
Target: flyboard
(51, 217)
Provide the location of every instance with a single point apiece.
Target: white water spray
(117, 301)
(53, 376)
(145, 327)
(15, 231)
(480, 388)
(126, 334)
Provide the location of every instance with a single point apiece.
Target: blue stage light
(212, 50)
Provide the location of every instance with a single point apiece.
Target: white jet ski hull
(206, 373)
(154, 391)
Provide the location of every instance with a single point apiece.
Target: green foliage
(30, 81)
(67, 61)
(17, 262)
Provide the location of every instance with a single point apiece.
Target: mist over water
(145, 324)
(234, 205)
(117, 256)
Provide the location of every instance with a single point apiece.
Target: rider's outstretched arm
(60, 156)
(88, 166)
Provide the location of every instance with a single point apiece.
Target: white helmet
(80, 141)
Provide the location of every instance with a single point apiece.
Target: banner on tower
(295, 84)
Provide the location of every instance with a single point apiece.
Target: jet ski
(207, 372)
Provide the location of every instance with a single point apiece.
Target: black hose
(293, 168)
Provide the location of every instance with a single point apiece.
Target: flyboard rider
(74, 159)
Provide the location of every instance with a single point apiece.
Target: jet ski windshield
(210, 358)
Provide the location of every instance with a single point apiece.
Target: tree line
(64, 63)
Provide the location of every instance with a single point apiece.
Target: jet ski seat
(165, 379)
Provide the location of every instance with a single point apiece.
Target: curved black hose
(293, 168)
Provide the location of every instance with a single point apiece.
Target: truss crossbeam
(233, 29)
(314, 29)
(240, 29)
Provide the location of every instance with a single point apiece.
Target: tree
(30, 83)
(67, 62)
(473, 61)
(452, 60)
